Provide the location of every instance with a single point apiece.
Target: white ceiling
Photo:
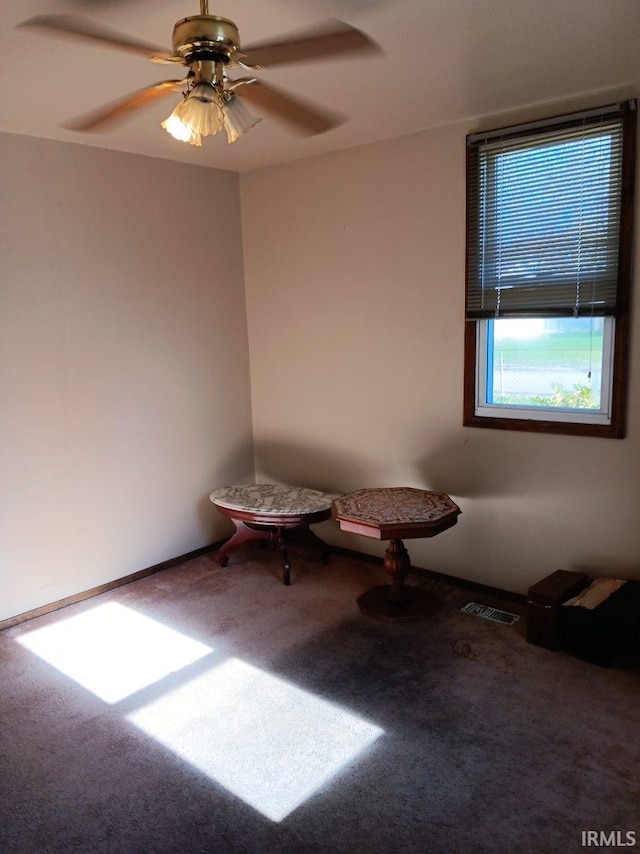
(444, 61)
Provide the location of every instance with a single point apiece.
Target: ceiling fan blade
(68, 26)
(331, 39)
(305, 117)
(118, 110)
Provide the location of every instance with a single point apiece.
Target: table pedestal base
(397, 603)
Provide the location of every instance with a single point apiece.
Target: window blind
(543, 217)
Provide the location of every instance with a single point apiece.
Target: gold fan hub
(205, 37)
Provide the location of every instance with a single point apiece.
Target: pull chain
(595, 260)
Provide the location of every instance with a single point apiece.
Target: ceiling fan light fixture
(198, 114)
(237, 119)
(208, 46)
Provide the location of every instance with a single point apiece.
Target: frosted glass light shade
(178, 130)
(197, 115)
(237, 119)
(201, 110)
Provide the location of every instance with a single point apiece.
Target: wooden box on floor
(545, 600)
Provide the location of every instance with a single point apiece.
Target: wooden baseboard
(103, 588)
(471, 586)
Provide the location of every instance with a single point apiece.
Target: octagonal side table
(394, 514)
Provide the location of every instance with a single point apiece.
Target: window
(549, 231)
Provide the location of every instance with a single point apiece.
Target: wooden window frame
(616, 429)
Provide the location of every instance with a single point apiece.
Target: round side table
(264, 511)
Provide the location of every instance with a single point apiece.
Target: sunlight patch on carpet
(112, 650)
(261, 738)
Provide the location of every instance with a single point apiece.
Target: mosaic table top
(266, 498)
(398, 508)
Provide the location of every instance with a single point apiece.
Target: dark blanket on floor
(599, 634)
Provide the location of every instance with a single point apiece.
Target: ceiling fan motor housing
(205, 37)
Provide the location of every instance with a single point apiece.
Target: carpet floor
(214, 710)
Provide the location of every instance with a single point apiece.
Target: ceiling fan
(209, 46)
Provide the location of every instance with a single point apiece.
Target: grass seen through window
(549, 363)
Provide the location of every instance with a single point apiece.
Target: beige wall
(124, 384)
(124, 366)
(354, 270)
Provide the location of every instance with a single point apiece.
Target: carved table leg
(242, 535)
(397, 603)
(286, 568)
(277, 535)
(397, 566)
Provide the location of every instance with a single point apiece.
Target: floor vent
(490, 613)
